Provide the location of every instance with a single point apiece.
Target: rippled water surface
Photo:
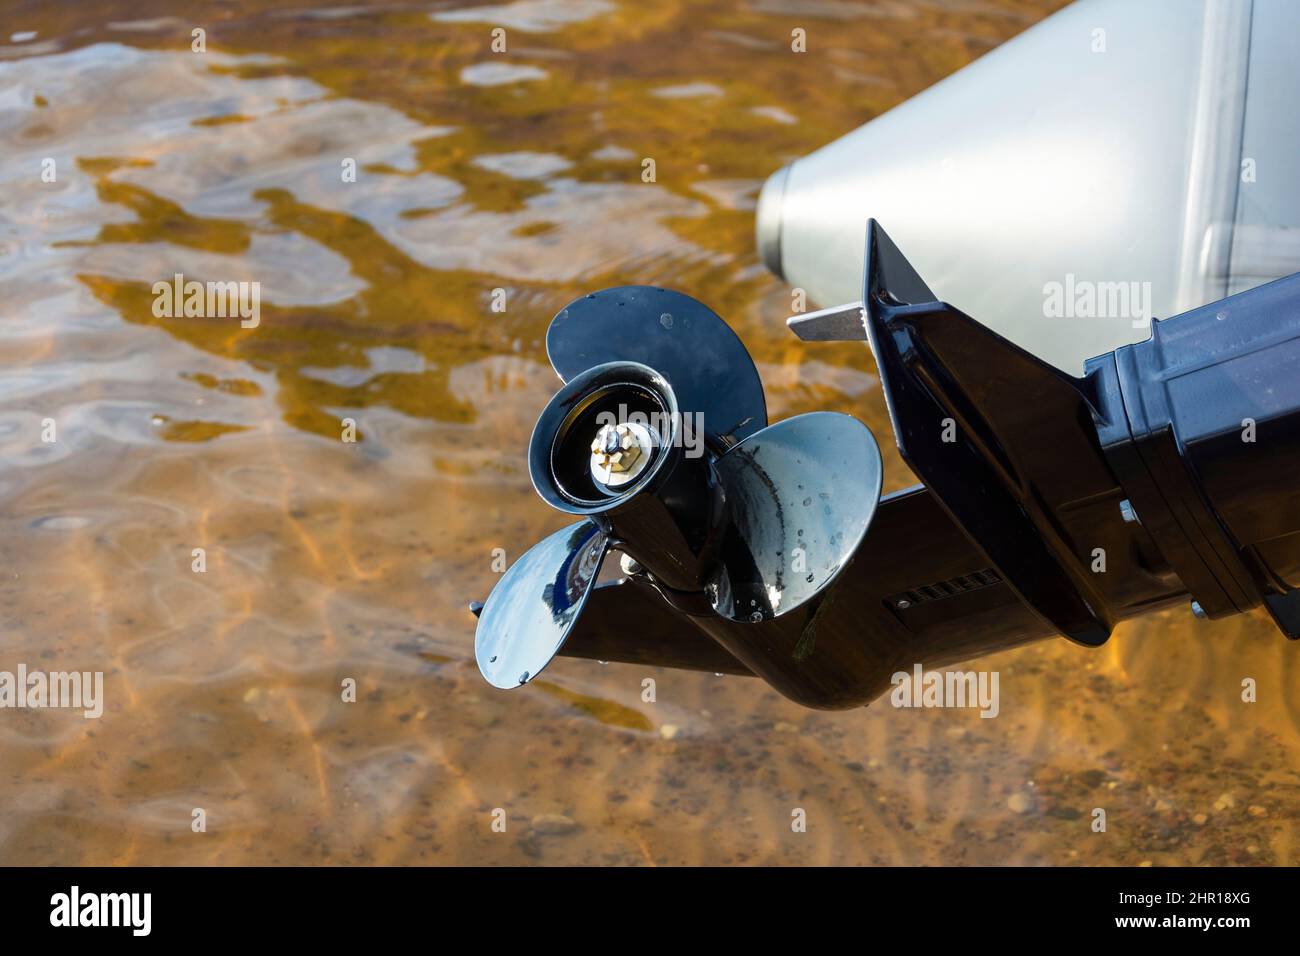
(329, 560)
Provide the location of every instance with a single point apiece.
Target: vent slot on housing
(962, 584)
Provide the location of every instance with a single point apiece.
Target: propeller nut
(620, 452)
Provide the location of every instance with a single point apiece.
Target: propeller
(658, 440)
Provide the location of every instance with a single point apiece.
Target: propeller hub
(609, 434)
(620, 452)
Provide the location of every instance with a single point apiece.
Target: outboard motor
(1052, 504)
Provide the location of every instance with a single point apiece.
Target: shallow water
(328, 560)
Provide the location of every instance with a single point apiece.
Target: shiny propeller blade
(681, 338)
(534, 606)
(802, 493)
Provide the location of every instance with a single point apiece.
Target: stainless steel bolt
(615, 448)
(619, 453)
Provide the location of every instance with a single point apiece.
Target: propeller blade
(679, 337)
(536, 603)
(802, 493)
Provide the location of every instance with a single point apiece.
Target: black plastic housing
(1201, 423)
